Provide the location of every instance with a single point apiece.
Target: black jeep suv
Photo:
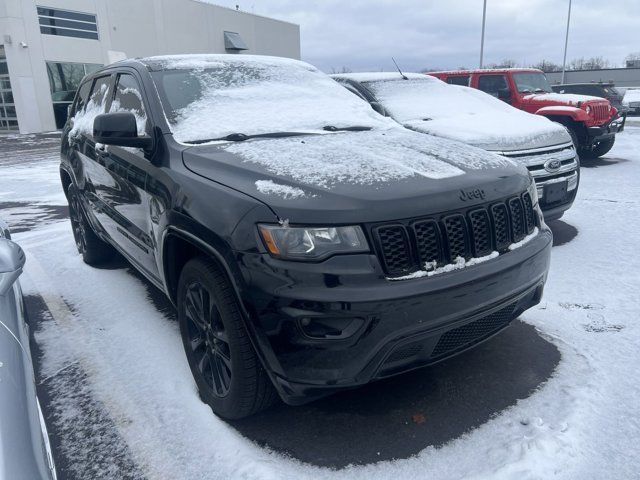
(308, 244)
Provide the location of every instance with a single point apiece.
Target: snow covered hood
(428, 105)
(569, 99)
(374, 175)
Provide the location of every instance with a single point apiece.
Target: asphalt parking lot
(389, 420)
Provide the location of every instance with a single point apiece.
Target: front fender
(576, 114)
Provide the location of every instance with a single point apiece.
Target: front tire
(224, 365)
(602, 148)
(94, 251)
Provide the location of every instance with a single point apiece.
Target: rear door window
(459, 80)
(492, 84)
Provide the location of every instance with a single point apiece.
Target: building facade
(621, 77)
(47, 46)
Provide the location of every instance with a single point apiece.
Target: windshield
(210, 97)
(531, 82)
(426, 99)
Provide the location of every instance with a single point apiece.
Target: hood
(358, 177)
(496, 131)
(567, 99)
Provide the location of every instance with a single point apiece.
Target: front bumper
(382, 327)
(608, 130)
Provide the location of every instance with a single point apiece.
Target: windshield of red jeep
(531, 82)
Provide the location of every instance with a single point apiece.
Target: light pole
(484, 18)
(566, 41)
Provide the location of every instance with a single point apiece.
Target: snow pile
(429, 105)
(268, 187)
(225, 94)
(369, 157)
(525, 240)
(459, 263)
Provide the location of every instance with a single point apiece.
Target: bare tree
(547, 66)
(593, 63)
(341, 70)
(506, 63)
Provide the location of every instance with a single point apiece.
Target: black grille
(405, 247)
(517, 219)
(529, 218)
(501, 225)
(457, 237)
(468, 334)
(481, 232)
(394, 245)
(405, 352)
(428, 240)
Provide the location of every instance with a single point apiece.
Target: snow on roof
(485, 70)
(200, 61)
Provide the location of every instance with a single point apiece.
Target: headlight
(312, 243)
(587, 109)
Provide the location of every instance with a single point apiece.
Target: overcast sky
(364, 34)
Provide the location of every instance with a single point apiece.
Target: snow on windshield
(465, 114)
(209, 97)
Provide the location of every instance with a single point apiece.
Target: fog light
(330, 328)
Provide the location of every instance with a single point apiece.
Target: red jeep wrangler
(591, 121)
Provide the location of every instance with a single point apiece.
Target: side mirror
(11, 262)
(119, 128)
(504, 94)
(379, 108)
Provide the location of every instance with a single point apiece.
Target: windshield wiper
(357, 128)
(241, 137)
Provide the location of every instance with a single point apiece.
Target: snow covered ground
(123, 400)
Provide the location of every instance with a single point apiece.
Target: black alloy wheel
(208, 340)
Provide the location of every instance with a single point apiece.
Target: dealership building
(47, 46)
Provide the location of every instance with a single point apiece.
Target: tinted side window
(128, 98)
(81, 98)
(459, 80)
(99, 92)
(492, 84)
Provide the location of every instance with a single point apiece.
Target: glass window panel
(10, 112)
(4, 70)
(64, 80)
(128, 99)
(99, 91)
(64, 32)
(54, 22)
(53, 12)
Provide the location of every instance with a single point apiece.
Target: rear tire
(225, 367)
(94, 251)
(602, 148)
